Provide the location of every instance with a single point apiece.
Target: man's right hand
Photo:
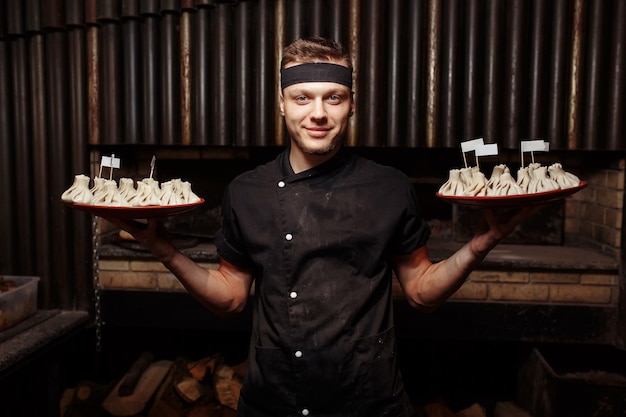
(153, 235)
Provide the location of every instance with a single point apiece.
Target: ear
(352, 105)
(281, 103)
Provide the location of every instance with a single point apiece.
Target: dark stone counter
(202, 252)
(36, 334)
(548, 257)
(504, 256)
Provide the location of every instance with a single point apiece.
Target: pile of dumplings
(535, 178)
(147, 192)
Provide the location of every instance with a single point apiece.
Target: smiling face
(316, 116)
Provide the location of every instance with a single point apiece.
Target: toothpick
(486, 150)
(470, 145)
(531, 146)
(152, 164)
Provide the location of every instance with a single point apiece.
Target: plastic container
(18, 303)
(573, 381)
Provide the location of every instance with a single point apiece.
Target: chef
(318, 232)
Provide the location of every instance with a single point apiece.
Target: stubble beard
(321, 151)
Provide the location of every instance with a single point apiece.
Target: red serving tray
(512, 201)
(147, 212)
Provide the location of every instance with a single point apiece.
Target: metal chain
(95, 258)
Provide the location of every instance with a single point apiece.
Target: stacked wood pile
(441, 409)
(207, 387)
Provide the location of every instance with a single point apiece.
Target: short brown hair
(315, 49)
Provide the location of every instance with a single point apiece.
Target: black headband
(316, 72)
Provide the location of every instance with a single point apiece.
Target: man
(319, 231)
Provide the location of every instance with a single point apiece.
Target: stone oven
(556, 288)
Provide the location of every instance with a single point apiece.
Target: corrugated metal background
(431, 73)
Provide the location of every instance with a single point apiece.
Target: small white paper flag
(535, 146)
(110, 161)
(488, 149)
(470, 145)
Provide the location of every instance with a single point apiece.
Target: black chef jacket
(320, 244)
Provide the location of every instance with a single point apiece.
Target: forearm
(220, 292)
(444, 278)
(223, 291)
(427, 285)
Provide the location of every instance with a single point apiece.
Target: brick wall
(593, 216)
(552, 287)
(592, 288)
(139, 275)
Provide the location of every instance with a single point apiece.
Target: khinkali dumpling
(154, 184)
(79, 192)
(523, 178)
(494, 180)
(145, 196)
(183, 188)
(454, 185)
(467, 175)
(563, 178)
(478, 187)
(533, 166)
(98, 185)
(127, 188)
(507, 185)
(541, 182)
(109, 195)
(169, 197)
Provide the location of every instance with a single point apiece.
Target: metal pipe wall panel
(185, 77)
(7, 155)
(556, 131)
(243, 74)
(372, 74)
(472, 85)
(150, 76)
(537, 69)
(355, 53)
(415, 74)
(395, 91)
(21, 136)
(294, 23)
(595, 49)
(110, 84)
(431, 73)
(131, 81)
(59, 162)
(494, 43)
(78, 115)
(41, 167)
(170, 79)
(221, 79)
(575, 74)
(450, 70)
(265, 104)
(514, 74)
(200, 76)
(616, 102)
